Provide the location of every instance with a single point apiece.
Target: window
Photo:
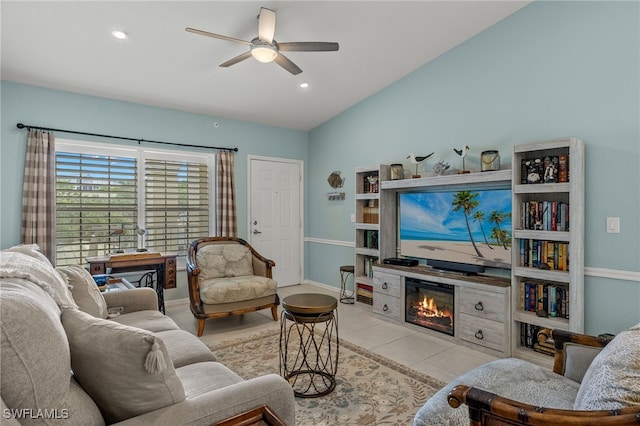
(111, 198)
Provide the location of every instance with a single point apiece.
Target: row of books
(537, 338)
(544, 254)
(371, 239)
(548, 169)
(544, 215)
(370, 187)
(545, 299)
(364, 293)
(369, 262)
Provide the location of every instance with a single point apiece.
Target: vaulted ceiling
(68, 45)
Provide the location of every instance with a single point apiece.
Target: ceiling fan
(265, 49)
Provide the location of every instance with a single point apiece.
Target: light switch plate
(613, 225)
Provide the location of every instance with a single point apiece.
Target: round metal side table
(309, 344)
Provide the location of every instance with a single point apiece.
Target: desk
(164, 264)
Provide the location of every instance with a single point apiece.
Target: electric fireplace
(429, 305)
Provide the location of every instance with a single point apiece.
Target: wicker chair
(487, 408)
(226, 276)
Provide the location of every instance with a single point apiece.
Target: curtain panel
(227, 219)
(39, 192)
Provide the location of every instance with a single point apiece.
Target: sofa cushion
(28, 263)
(127, 371)
(184, 348)
(613, 378)
(236, 289)
(513, 378)
(224, 260)
(35, 367)
(153, 321)
(84, 290)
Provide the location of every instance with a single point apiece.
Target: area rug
(370, 389)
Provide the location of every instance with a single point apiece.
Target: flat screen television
(464, 230)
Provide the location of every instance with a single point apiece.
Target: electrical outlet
(353, 218)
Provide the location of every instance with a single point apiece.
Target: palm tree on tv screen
(466, 201)
(478, 216)
(497, 217)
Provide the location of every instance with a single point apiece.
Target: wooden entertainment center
(488, 310)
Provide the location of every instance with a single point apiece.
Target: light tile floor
(437, 357)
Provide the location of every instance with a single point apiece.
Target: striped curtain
(226, 205)
(39, 193)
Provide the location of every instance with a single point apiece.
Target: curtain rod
(139, 140)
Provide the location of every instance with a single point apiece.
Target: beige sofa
(71, 355)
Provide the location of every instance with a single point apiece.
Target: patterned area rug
(370, 390)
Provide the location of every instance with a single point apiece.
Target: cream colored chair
(228, 277)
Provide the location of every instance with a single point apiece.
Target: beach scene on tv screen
(472, 227)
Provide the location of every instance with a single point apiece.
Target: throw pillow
(84, 290)
(28, 263)
(613, 378)
(126, 370)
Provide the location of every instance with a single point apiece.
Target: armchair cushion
(84, 290)
(613, 378)
(236, 289)
(224, 260)
(126, 371)
(515, 378)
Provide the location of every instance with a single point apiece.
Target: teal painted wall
(64, 110)
(552, 69)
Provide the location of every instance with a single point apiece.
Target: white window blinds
(96, 201)
(176, 204)
(104, 193)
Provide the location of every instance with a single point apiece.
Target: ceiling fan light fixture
(264, 52)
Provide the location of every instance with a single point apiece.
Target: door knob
(255, 231)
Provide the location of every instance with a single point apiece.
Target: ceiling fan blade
(221, 37)
(286, 63)
(308, 46)
(266, 24)
(237, 59)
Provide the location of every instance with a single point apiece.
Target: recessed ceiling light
(119, 34)
(304, 85)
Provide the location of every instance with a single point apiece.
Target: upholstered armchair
(228, 277)
(595, 381)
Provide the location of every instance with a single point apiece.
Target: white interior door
(275, 215)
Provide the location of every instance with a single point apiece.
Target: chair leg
(274, 313)
(200, 326)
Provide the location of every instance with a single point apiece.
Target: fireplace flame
(428, 308)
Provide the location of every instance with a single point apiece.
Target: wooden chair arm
(486, 408)
(560, 338)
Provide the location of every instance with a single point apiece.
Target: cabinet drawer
(388, 306)
(482, 304)
(386, 284)
(482, 332)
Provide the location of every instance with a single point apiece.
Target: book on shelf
(368, 263)
(371, 239)
(544, 254)
(544, 215)
(364, 293)
(544, 298)
(536, 338)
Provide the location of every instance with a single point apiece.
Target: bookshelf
(548, 242)
(370, 245)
